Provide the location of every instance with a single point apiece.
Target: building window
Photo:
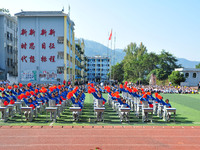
(60, 55)
(187, 75)
(60, 70)
(60, 40)
(8, 62)
(8, 48)
(11, 37)
(8, 36)
(194, 75)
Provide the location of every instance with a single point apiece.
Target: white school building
(192, 76)
(46, 47)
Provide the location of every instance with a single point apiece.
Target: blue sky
(173, 25)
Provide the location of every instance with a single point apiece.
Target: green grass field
(188, 114)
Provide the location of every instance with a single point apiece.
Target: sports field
(188, 114)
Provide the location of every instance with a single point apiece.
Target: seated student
(29, 103)
(101, 100)
(12, 99)
(18, 92)
(168, 105)
(45, 99)
(38, 108)
(41, 99)
(76, 114)
(53, 101)
(4, 101)
(124, 115)
(58, 96)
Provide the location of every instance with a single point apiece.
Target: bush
(176, 78)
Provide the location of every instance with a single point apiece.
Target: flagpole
(114, 56)
(108, 52)
(110, 55)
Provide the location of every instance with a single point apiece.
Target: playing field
(188, 112)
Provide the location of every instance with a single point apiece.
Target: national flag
(110, 35)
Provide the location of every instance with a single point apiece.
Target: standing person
(64, 82)
(199, 86)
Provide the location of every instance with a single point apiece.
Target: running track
(102, 137)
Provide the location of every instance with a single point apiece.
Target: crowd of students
(38, 97)
(146, 96)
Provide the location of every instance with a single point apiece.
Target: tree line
(138, 65)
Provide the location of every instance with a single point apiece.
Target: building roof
(187, 69)
(13, 18)
(44, 14)
(40, 13)
(98, 57)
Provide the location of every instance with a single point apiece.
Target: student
(168, 105)
(101, 100)
(4, 101)
(76, 114)
(45, 99)
(29, 114)
(124, 115)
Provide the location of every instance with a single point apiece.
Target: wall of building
(192, 76)
(98, 68)
(191, 80)
(8, 45)
(41, 64)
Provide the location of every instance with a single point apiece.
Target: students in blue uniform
(29, 114)
(53, 101)
(98, 96)
(124, 115)
(4, 102)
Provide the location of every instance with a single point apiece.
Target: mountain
(187, 63)
(93, 48)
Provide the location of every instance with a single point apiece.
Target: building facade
(8, 46)
(80, 61)
(192, 76)
(98, 68)
(46, 47)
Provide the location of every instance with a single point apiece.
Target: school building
(98, 68)
(192, 76)
(46, 47)
(8, 46)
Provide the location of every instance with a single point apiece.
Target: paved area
(99, 137)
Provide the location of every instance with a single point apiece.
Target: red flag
(110, 35)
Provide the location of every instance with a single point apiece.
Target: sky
(173, 25)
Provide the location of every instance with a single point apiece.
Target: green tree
(197, 66)
(176, 78)
(167, 62)
(161, 74)
(118, 72)
(138, 63)
(5, 10)
(133, 62)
